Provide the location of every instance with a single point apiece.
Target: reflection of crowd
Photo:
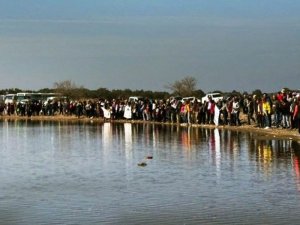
(279, 110)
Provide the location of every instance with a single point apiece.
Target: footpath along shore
(274, 133)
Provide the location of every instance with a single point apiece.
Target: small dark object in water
(149, 157)
(142, 164)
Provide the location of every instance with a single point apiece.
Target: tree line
(184, 87)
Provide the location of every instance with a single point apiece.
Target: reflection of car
(214, 96)
(190, 99)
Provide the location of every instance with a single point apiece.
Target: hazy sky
(145, 44)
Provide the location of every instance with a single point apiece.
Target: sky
(226, 45)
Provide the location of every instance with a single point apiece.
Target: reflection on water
(87, 173)
(296, 162)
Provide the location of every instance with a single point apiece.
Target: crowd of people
(280, 110)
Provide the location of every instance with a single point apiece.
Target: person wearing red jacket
(296, 115)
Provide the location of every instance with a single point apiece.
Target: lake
(87, 173)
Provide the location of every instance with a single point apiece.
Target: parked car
(10, 98)
(190, 99)
(214, 96)
(177, 98)
(55, 98)
(135, 98)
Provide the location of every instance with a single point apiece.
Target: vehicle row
(216, 96)
(25, 97)
(45, 97)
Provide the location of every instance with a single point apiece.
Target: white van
(214, 96)
(190, 99)
(135, 98)
(10, 98)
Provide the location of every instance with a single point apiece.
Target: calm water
(85, 173)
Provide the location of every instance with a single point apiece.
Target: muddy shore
(274, 133)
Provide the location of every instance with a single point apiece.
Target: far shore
(273, 133)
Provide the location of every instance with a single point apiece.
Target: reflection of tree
(184, 87)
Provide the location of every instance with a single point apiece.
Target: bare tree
(69, 89)
(184, 87)
(64, 85)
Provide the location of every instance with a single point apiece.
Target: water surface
(86, 173)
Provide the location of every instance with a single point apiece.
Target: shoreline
(273, 133)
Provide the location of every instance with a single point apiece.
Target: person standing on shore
(208, 115)
(266, 106)
(127, 111)
(202, 113)
(296, 115)
(79, 109)
(229, 103)
(285, 109)
(236, 111)
(195, 112)
(276, 110)
(259, 110)
(183, 113)
(188, 111)
(250, 109)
